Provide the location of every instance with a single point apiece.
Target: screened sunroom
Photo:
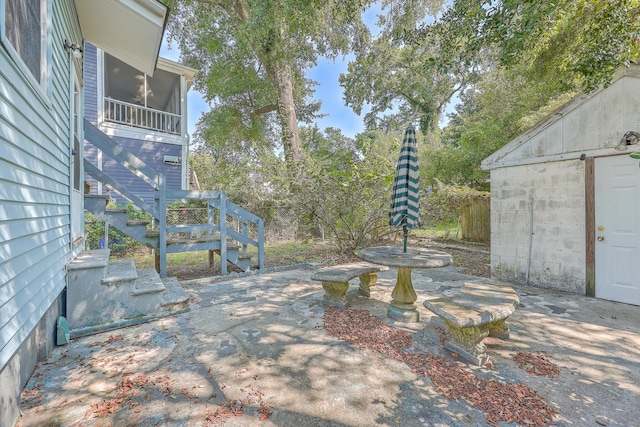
(134, 98)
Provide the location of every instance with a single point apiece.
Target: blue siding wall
(90, 76)
(35, 192)
(152, 153)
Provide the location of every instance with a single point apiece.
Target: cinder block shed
(565, 197)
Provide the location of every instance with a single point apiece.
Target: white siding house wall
(34, 206)
(551, 195)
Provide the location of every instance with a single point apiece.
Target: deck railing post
(223, 234)
(161, 208)
(260, 241)
(245, 233)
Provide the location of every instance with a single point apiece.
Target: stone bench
(473, 313)
(335, 280)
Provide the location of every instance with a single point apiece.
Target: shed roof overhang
(520, 150)
(130, 30)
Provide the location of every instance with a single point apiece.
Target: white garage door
(617, 216)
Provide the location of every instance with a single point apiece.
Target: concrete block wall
(558, 241)
(38, 346)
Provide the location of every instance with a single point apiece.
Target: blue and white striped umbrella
(405, 198)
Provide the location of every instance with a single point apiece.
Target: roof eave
(130, 30)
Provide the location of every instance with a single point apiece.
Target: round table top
(393, 256)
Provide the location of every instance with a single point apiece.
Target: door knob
(600, 238)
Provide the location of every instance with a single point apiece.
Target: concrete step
(175, 298)
(149, 282)
(95, 259)
(115, 294)
(121, 273)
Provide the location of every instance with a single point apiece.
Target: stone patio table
(403, 307)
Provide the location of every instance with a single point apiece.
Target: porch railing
(125, 113)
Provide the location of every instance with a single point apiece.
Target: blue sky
(328, 90)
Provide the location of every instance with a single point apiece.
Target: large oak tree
(253, 56)
(577, 43)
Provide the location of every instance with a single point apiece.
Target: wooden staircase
(136, 229)
(213, 235)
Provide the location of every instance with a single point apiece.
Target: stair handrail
(139, 168)
(120, 154)
(216, 200)
(98, 175)
(245, 217)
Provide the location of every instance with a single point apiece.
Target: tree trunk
(281, 78)
(279, 73)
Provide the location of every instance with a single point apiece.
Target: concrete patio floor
(260, 340)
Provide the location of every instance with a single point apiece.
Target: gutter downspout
(526, 277)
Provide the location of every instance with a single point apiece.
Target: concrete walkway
(259, 341)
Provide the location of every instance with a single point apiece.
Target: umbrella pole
(405, 233)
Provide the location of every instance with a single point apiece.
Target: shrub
(444, 203)
(117, 240)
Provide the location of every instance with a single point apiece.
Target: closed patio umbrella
(405, 198)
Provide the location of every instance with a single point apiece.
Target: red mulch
(539, 364)
(510, 402)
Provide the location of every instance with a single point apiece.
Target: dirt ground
(473, 257)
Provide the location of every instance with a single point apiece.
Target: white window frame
(41, 87)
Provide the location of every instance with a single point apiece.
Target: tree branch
(263, 110)
(238, 9)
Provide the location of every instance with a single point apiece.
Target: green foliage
(118, 241)
(500, 106)
(347, 190)
(94, 229)
(395, 79)
(578, 43)
(189, 203)
(510, 63)
(255, 183)
(133, 212)
(443, 205)
(252, 58)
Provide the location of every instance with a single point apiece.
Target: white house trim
(131, 31)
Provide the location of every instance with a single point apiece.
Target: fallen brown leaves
(128, 387)
(110, 340)
(237, 407)
(230, 408)
(132, 385)
(539, 364)
(32, 397)
(509, 402)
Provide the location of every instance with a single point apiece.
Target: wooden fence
(476, 219)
